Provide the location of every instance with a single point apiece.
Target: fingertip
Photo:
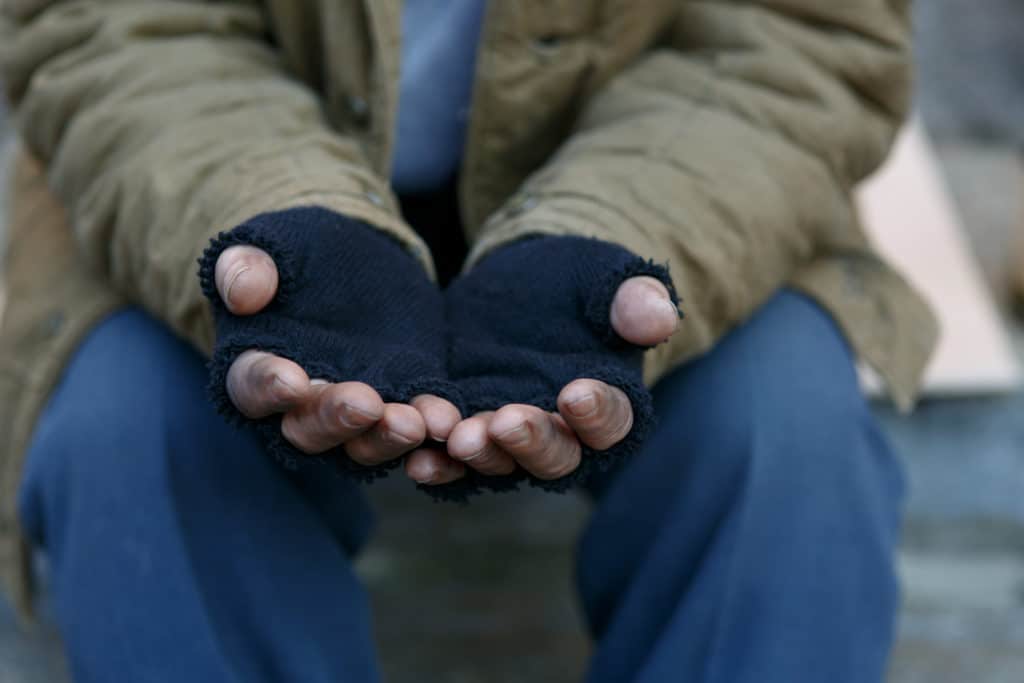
(643, 313)
(246, 279)
(399, 431)
(427, 466)
(356, 404)
(403, 424)
(606, 423)
(509, 424)
(468, 439)
(259, 383)
(251, 289)
(420, 466)
(580, 398)
(439, 415)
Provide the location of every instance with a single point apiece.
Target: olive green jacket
(720, 136)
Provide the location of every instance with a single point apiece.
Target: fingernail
(232, 280)
(583, 406)
(282, 385)
(516, 435)
(670, 307)
(474, 456)
(317, 382)
(354, 417)
(394, 437)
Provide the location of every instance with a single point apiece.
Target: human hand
(590, 412)
(594, 373)
(333, 409)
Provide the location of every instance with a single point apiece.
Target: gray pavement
(971, 57)
(485, 596)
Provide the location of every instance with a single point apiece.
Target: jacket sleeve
(162, 123)
(730, 150)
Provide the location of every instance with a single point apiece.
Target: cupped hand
(318, 416)
(590, 412)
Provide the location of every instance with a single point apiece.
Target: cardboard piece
(910, 216)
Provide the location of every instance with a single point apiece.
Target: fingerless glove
(534, 316)
(352, 305)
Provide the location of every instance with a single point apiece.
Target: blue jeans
(751, 540)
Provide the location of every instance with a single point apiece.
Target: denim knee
(781, 394)
(131, 393)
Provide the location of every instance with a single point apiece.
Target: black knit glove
(352, 305)
(534, 316)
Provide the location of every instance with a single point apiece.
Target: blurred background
(487, 596)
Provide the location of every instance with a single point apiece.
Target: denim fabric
(751, 539)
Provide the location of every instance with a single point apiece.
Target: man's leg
(178, 551)
(753, 537)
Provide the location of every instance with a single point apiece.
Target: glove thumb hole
(633, 307)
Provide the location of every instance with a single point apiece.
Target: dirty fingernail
(283, 386)
(583, 406)
(516, 435)
(474, 456)
(397, 438)
(354, 417)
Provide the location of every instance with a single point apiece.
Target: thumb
(246, 279)
(642, 312)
